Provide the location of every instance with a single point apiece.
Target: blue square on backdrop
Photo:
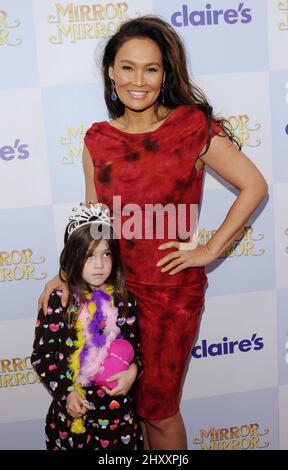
(255, 253)
(282, 303)
(18, 54)
(279, 121)
(23, 435)
(220, 36)
(68, 112)
(28, 258)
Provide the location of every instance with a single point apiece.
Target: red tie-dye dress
(150, 168)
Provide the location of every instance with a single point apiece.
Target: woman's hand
(55, 283)
(125, 381)
(184, 258)
(77, 406)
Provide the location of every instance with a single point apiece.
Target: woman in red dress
(153, 151)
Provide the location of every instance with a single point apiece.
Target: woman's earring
(113, 94)
(162, 93)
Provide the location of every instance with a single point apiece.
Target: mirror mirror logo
(211, 16)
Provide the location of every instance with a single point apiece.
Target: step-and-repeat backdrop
(236, 391)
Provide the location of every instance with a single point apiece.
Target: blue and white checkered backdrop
(236, 391)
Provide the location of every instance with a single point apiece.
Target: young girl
(71, 344)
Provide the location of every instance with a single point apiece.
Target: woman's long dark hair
(178, 89)
(74, 256)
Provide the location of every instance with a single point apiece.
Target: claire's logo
(211, 16)
(18, 150)
(225, 347)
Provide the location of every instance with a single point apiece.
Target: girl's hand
(55, 283)
(125, 381)
(184, 258)
(77, 406)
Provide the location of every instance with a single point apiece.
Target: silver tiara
(97, 213)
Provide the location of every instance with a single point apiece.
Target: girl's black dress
(114, 424)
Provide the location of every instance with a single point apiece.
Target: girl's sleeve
(132, 332)
(47, 361)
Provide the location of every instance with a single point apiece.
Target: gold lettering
(5, 365)
(78, 29)
(240, 123)
(113, 13)
(234, 432)
(62, 31)
(122, 9)
(27, 363)
(223, 445)
(245, 443)
(228, 438)
(61, 11)
(254, 440)
(4, 30)
(259, 446)
(87, 31)
(212, 446)
(8, 380)
(283, 26)
(250, 230)
(3, 257)
(73, 132)
(100, 30)
(205, 235)
(27, 253)
(98, 12)
(5, 274)
(223, 434)
(17, 272)
(244, 124)
(76, 13)
(17, 364)
(234, 445)
(31, 377)
(207, 435)
(283, 5)
(85, 12)
(17, 371)
(29, 271)
(74, 153)
(244, 433)
(254, 429)
(18, 256)
(20, 378)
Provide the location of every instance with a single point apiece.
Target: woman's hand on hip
(184, 257)
(54, 283)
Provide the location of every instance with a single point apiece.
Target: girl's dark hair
(74, 256)
(178, 89)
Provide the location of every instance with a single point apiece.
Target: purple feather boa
(99, 333)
